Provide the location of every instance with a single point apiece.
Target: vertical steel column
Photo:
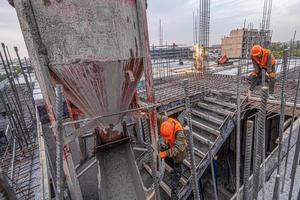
(247, 163)
(59, 141)
(281, 129)
(290, 133)
(212, 171)
(238, 133)
(191, 141)
(259, 140)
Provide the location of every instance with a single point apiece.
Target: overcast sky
(177, 20)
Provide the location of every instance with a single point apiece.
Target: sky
(177, 20)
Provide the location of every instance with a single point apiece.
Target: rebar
(259, 140)
(282, 116)
(191, 142)
(238, 133)
(290, 133)
(291, 51)
(247, 162)
(59, 141)
(13, 88)
(27, 66)
(25, 76)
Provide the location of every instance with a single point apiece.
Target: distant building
(236, 44)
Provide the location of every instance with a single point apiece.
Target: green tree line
(277, 49)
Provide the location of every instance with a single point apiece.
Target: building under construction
(85, 124)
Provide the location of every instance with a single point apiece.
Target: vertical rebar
(290, 133)
(247, 163)
(25, 76)
(282, 116)
(191, 142)
(27, 66)
(13, 88)
(259, 140)
(238, 133)
(291, 51)
(59, 141)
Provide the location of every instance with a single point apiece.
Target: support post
(212, 171)
(238, 133)
(260, 140)
(191, 142)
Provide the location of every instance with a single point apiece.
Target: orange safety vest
(177, 127)
(263, 62)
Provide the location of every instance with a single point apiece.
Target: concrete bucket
(96, 50)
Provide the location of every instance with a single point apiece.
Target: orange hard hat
(256, 49)
(167, 129)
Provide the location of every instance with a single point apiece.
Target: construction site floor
(269, 185)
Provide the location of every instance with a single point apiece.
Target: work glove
(162, 144)
(163, 154)
(272, 75)
(254, 74)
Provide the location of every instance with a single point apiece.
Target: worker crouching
(173, 150)
(263, 59)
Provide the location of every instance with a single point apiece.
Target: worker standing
(263, 59)
(174, 150)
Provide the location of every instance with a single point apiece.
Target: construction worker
(173, 150)
(263, 59)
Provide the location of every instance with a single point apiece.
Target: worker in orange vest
(263, 59)
(174, 149)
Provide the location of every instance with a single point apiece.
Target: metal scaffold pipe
(191, 142)
(212, 170)
(59, 141)
(260, 140)
(281, 128)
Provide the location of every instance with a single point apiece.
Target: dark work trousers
(176, 175)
